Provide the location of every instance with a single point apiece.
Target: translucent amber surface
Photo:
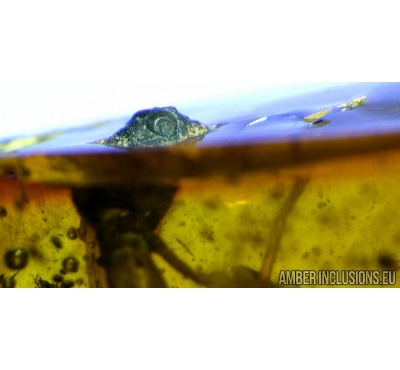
(346, 218)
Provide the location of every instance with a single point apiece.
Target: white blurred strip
(35, 107)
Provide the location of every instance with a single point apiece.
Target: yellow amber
(224, 212)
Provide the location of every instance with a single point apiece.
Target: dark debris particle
(16, 258)
(58, 278)
(25, 172)
(3, 212)
(63, 272)
(67, 284)
(317, 121)
(7, 282)
(20, 204)
(82, 230)
(72, 233)
(56, 242)
(33, 251)
(71, 264)
(388, 262)
(12, 175)
(40, 283)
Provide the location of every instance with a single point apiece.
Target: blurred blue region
(262, 116)
(285, 116)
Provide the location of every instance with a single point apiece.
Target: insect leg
(278, 228)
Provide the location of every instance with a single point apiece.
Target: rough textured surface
(157, 127)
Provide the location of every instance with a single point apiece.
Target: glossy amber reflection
(346, 218)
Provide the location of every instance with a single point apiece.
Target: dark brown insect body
(124, 220)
